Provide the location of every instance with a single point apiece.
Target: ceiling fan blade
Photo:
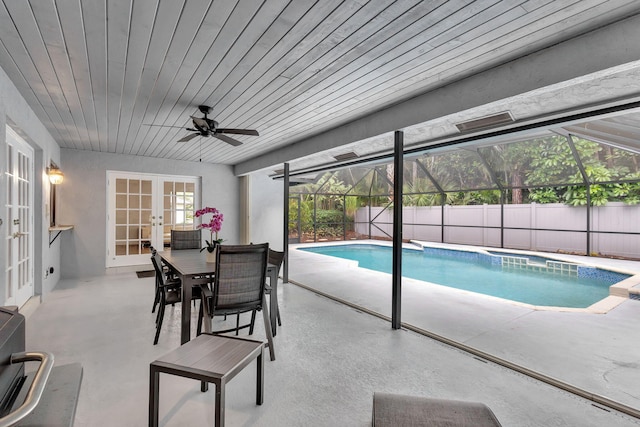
(200, 122)
(188, 137)
(238, 131)
(227, 139)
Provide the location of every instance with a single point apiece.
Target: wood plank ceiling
(98, 73)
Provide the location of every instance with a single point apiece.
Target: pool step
(628, 288)
(536, 264)
(555, 267)
(634, 292)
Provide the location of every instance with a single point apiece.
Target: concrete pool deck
(598, 353)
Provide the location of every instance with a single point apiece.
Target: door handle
(18, 234)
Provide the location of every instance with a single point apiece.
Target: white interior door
(143, 209)
(19, 268)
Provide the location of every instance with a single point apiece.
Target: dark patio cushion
(402, 411)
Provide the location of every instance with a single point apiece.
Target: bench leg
(260, 379)
(219, 415)
(154, 391)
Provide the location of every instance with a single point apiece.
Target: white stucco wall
(266, 210)
(83, 202)
(15, 112)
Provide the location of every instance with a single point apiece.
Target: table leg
(185, 333)
(219, 415)
(154, 391)
(260, 379)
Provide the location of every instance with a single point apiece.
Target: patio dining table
(190, 264)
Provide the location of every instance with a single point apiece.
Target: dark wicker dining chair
(169, 292)
(275, 258)
(186, 239)
(238, 285)
(168, 276)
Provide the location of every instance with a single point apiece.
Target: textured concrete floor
(331, 358)
(599, 353)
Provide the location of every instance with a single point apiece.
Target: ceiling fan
(204, 126)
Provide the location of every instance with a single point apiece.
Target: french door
(19, 268)
(142, 211)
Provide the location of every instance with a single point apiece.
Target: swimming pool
(483, 273)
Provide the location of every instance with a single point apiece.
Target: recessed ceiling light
(485, 122)
(345, 156)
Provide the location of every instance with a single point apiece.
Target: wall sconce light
(55, 174)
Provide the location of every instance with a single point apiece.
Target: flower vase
(211, 253)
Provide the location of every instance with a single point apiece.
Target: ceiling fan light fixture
(205, 109)
(204, 126)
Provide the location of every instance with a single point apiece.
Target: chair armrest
(207, 299)
(206, 291)
(172, 285)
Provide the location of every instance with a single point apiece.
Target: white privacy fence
(614, 228)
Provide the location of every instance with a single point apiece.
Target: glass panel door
(19, 268)
(178, 200)
(133, 214)
(143, 209)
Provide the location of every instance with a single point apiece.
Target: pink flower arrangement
(214, 226)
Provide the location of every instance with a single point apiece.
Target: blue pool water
(460, 270)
